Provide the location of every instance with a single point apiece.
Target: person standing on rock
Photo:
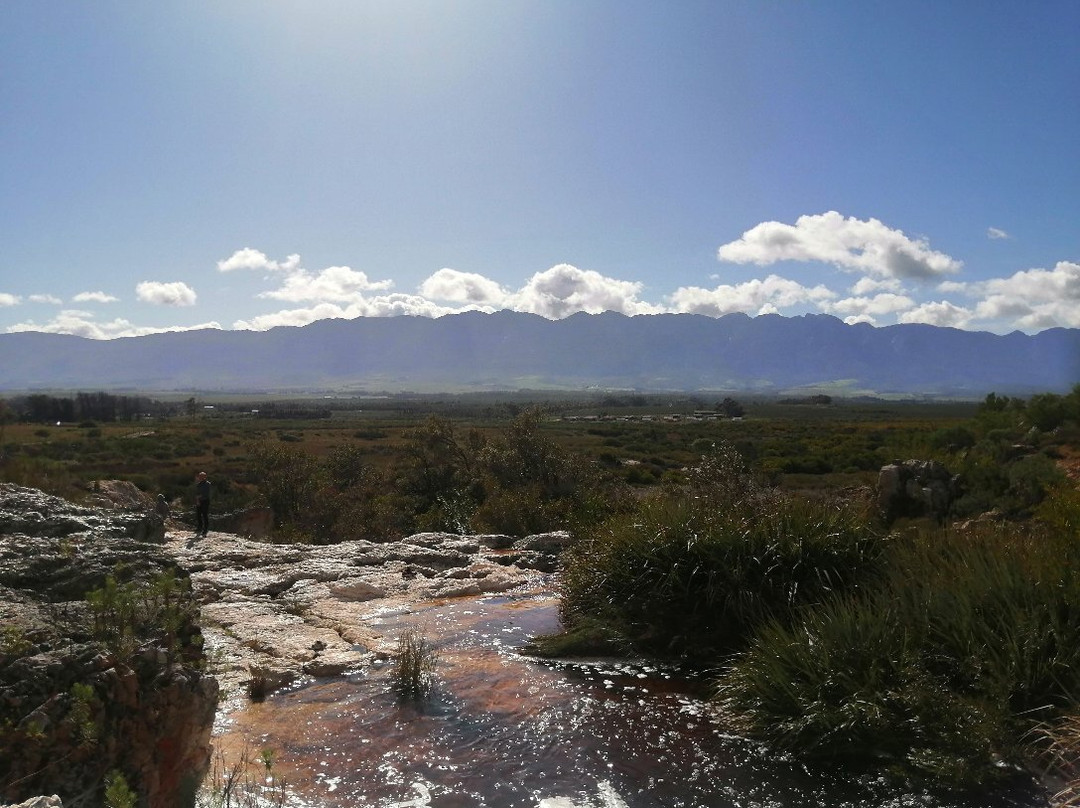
(202, 504)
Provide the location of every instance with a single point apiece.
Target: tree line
(99, 406)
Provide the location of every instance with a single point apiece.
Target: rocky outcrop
(88, 689)
(51, 801)
(275, 612)
(916, 488)
(73, 709)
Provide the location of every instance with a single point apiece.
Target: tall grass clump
(414, 666)
(970, 643)
(695, 572)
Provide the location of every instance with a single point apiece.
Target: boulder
(120, 495)
(915, 488)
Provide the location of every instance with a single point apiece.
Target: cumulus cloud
(337, 284)
(8, 299)
(94, 297)
(755, 296)
(868, 286)
(847, 243)
(175, 293)
(393, 305)
(50, 299)
(942, 313)
(995, 233)
(855, 319)
(884, 303)
(464, 287)
(1043, 285)
(249, 258)
(333, 284)
(953, 287)
(564, 289)
(1034, 298)
(82, 324)
(1030, 300)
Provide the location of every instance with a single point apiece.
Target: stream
(503, 730)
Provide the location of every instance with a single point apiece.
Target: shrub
(118, 793)
(163, 610)
(969, 643)
(701, 569)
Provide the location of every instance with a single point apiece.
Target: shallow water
(504, 730)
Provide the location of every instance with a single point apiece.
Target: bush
(163, 609)
(697, 571)
(970, 642)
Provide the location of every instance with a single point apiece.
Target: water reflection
(503, 730)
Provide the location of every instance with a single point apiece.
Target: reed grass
(414, 668)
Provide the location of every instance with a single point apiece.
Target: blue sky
(174, 165)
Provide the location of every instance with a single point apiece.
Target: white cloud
(942, 313)
(399, 304)
(50, 299)
(338, 284)
(94, 297)
(1032, 299)
(884, 303)
(464, 287)
(855, 319)
(8, 299)
(867, 286)
(754, 296)
(81, 324)
(995, 233)
(249, 258)
(332, 285)
(1061, 282)
(564, 289)
(953, 287)
(846, 243)
(175, 293)
(384, 306)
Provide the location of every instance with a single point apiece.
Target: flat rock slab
(275, 612)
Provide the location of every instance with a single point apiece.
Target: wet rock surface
(273, 613)
(72, 709)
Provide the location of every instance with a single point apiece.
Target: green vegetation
(968, 642)
(118, 793)
(514, 479)
(80, 717)
(944, 653)
(692, 572)
(741, 536)
(162, 610)
(414, 666)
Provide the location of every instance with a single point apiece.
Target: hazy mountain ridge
(509, 350)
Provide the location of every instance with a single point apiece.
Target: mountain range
(512, 350)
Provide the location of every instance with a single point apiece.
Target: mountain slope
(508, 350)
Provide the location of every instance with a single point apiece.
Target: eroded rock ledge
(73, 708)
(275, 612)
